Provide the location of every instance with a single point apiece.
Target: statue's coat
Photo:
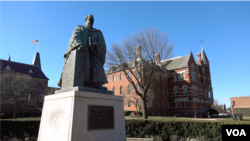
(80, 37)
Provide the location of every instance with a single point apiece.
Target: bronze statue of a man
(89, 43)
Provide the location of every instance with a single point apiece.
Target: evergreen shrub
(212, 131)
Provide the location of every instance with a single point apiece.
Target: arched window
(158, 104)
(129, 74)
(113, 77)
(182, 104)
(29, 96)
(129, 103)
(129, 89)
(185, 90)
(114, 90)
(177, 104)
(163, 104)
(209, 95)
(39, 87)
(120, 90)
(179, 77)
(176, 91)
(121, 76)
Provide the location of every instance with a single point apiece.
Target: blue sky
(224, 28)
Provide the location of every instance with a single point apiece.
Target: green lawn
(26, 118)
(168, 118)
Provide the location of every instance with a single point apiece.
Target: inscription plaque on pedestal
(100, 117)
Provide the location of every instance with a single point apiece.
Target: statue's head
(89, 19)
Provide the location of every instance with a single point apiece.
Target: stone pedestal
(82, 116)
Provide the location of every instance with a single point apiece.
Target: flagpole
(37, 47)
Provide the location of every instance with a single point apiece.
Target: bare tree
(14, 88)
(217, 107)
(145, 63)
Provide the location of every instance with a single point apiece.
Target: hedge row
(19, 129)
(212, 131)
(135, 128)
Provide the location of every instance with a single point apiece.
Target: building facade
(39, 79)
(185, 92)
(240, 105)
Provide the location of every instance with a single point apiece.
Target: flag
(34, 41)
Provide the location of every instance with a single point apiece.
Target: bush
(167, 129)
(19, 129)
(127, 113)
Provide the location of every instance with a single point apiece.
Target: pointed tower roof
(37, 61)
(204, 56)
(9, 58)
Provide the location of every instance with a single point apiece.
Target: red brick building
(240, 105)
(186, 91)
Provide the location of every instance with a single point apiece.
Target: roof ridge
(19, 63)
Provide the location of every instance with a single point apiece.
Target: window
(175, 78)
(176, 91)
(167, 92)
(162, 91)
(3, 93)
(137, 103)
(185, 90)
(129, 103)
(129, 74)
(168, 105)
(209, 95)
(179, 77)
(177, 104)
(129, 89)
(108, 79)
(29, 96)
(121, 90)
(114, 90)
(121, 76)
(153, 104)
(158, 104)
(183, 76)
(159, 113)
(157, 89)
(137, 73)
(153, 113)
(163, 104)
(137, 87)
(186, 103)
(182, 104)
(38, 90)
(113, 77)
(161, 78)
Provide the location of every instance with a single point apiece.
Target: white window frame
(121, 76)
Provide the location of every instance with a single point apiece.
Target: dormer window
(7, 68)
(30, 71)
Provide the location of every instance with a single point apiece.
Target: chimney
(158, 58)
(199, 58)
(138, 52)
